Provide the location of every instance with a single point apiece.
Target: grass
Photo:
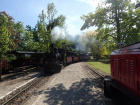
(100, 66)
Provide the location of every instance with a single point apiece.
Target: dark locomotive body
(53, 61)
(56, 60)
(125, 74)
(59, 58)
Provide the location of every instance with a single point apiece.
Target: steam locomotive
(58, 58)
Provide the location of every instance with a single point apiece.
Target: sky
(27, 11)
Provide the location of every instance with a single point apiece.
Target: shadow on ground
(84, 92)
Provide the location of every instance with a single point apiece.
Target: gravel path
(72, 86)
(9, 85)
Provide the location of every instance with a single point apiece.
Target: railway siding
(10, 87)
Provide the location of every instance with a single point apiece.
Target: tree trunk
(117, 24)
(0, 66)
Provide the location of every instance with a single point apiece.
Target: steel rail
(22, 91)
(95, 73)
(33, 93)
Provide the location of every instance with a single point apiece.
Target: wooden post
(0, 66)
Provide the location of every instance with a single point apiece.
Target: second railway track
(96, 74)
(23, 94)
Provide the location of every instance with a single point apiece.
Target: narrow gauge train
(52, 62)
(125, 74)
(57, 58)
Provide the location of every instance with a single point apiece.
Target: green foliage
(51, 12)
(116, 20)
(68, 44)
(4, 37)
(20, 30)
(41, 25)
(9, 57)
(28, 41)
(98, 49)
(42, 33)
(9, 38)
(60, 21)
(100, 66)
(15, 37)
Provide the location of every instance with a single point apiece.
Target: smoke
(82, 41)
(58, 33)
(81, 45)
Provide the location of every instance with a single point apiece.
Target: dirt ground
(72, 86)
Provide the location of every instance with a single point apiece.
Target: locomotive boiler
(53, 60)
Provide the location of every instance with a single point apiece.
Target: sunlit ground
(100, 66)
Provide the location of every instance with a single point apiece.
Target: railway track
(96, 74)
(24, 94)
(100, 80)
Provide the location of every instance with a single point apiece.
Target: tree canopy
(117, 21)
(9, 37)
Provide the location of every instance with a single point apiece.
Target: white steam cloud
(58, 33)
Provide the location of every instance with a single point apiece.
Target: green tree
(51, 12)
(8, 36)
(20, 30)
(52, 20)
(98, 50)
(43, 33)
(29, 45)
(46, 22)
(60, 21)
(59, 44)
(116, 22)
